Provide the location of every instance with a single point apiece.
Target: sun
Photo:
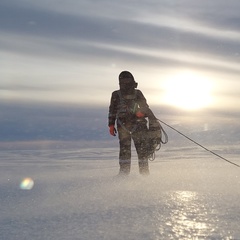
(187, 90)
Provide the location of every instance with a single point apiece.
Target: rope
(199, 144)
(165, 135)
(158, 145)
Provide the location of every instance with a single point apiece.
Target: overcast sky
(71, 52)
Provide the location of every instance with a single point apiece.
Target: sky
(60, 61)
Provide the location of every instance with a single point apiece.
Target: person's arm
(112, 109)
(144, 108)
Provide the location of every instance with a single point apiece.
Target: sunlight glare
(187, 90)
(189, 216)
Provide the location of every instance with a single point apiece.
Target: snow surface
(190, 194)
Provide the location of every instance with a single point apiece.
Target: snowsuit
(122, 110)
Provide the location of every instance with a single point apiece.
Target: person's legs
(143, 166)
(139, 138)
(125, 151)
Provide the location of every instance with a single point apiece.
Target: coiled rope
(235, 164)
(158, 144)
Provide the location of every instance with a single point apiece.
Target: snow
(190, 194)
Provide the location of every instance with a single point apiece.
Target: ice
(77, 194)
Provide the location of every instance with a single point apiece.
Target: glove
(140, 114)
(112, 130)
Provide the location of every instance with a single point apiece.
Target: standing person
(129, 110)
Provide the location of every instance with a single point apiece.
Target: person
(129, 111)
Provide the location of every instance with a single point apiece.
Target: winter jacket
(124, 107)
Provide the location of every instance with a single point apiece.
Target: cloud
(72, 52)
(59, 33)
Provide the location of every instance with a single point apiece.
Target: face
(126, 81)
(126, 85)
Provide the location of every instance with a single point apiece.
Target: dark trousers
(138, 136)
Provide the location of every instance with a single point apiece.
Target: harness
(124, 109)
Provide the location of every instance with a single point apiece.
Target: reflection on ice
(189, 217)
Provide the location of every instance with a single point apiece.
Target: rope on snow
(199, 144)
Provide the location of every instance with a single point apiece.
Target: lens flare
(26, 184)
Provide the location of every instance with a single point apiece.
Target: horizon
(31, 126)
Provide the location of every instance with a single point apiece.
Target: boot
(143, 167)
(124, 169)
